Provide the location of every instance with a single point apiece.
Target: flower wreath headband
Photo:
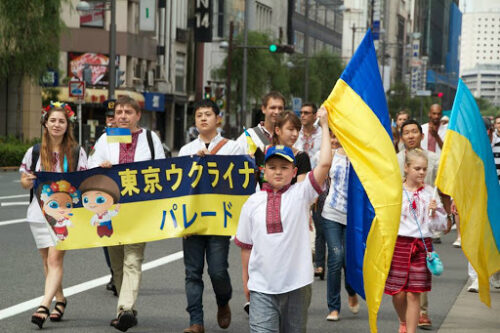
(59, 186)
(65, 106)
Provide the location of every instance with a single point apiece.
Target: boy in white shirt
(214, 248)
(276, 255)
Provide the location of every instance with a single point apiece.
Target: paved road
(162, 301)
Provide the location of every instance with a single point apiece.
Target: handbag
(434, 263)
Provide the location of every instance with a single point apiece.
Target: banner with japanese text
(146, 201)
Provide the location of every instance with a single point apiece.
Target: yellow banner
(145, 201)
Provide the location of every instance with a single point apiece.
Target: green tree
(487, 108)
(29, 41)
(266, 71)
(325, 68)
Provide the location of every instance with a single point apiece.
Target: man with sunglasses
(310, 135)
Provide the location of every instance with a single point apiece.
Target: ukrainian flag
(467, 173)
(116, 134)
(358, 115)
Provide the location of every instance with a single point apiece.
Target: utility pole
(353, 33)
(228, 73)
(112, 51)
(245, 65)
(306, 54)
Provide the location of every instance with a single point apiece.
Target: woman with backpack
(58, 152)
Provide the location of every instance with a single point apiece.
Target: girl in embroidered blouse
(409, 276)
(99, 194)
(57, 154)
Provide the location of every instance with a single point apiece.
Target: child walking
(273, 234)
(409, 276)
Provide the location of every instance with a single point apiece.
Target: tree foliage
(29, 37)
(324, 70)
(277, 71)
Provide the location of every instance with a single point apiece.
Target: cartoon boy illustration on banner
(57, 201)
(99, 193)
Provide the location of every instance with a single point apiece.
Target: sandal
(37, 320)
(58, 313)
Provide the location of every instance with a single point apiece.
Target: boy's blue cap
(281, 151)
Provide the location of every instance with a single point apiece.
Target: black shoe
(111, 287)
(125, 320)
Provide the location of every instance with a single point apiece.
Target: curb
(9, 168)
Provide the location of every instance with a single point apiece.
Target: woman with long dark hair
(58, 152)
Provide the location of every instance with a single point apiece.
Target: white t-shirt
(408, 227)
(279, 262)
(34, 213)
(230, 147)
(335, 207)
(104, 151)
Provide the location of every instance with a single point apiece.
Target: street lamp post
(83, 7)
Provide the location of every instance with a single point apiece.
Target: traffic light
(279, 48)
(208, 92)
(440, 95)
(120, 79)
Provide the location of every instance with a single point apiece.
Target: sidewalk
(469, 314)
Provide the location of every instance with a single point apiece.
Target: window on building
(300, 6)
(299, 41)
(330, 18)
(180, 69)
(263, 16)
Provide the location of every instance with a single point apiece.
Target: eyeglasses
(305, 113)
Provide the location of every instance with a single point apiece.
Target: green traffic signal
(273, 48)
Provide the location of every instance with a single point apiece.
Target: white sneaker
(495, 283)
(474, 286)
(457, 243)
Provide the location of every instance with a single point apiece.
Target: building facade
(480, 56)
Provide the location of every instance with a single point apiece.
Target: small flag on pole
(252, 147)
(121, 135)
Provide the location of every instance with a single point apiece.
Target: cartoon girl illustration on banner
(99, 194)
(57, 201)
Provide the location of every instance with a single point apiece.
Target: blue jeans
(319, 240)
(275, 313)
(335, 240)
(216, 250)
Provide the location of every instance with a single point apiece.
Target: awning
(99, 96)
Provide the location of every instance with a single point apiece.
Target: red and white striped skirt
(409, 267)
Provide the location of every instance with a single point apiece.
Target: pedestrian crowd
(302, 174)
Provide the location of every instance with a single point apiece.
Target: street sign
(424, 93)
(203, 21)
(296, 104)
(77, 89)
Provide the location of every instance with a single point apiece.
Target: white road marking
(15, 203)
(14, 196)
(2, 223)
(79, 288)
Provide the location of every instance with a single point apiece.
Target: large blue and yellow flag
(358, 115)
(467, 173)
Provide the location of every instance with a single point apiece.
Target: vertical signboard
(147, 15)
(203, 21)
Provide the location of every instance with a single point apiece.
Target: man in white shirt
(214, 248)
(433, 130)
(272, 105)
(309, 139)
(126, 260)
